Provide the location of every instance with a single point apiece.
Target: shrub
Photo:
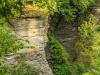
(88, 48)
(68, 8)
(60, 62)
(8, 41)
(82, 5)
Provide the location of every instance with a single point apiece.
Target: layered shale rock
(33, 32)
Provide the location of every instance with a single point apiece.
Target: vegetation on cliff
(86, 60)
(87, 47)
(60, 62)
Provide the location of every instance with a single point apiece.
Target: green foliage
(24, 69)
(82, 5)
(61, 64)
(8, 42)
(71, 9)
(88, 48)
(51, 5)
(10, 7)
(68, 8)
(4, 70)
(20, 69)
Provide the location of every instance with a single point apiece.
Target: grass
(9, 43)
(21, 68)
(60, 62)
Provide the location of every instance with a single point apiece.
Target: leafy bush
(10, 7)
(88, 48)
(65, 8)
(82, 5)
(8, 42)
(68, 8)
(98, 28)
(60, 62)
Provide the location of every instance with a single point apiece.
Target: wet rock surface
(66, 34)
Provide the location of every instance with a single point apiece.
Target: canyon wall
(34, 30)
(33, 34)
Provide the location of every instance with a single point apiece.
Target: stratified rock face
(34, 30)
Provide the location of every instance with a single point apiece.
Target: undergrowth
(88, 48)
(60, 62)
(21, 68)
(8, 41)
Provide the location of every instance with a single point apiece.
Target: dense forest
(81, 58)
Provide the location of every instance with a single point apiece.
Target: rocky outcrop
(34, 31)
(67, 34)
